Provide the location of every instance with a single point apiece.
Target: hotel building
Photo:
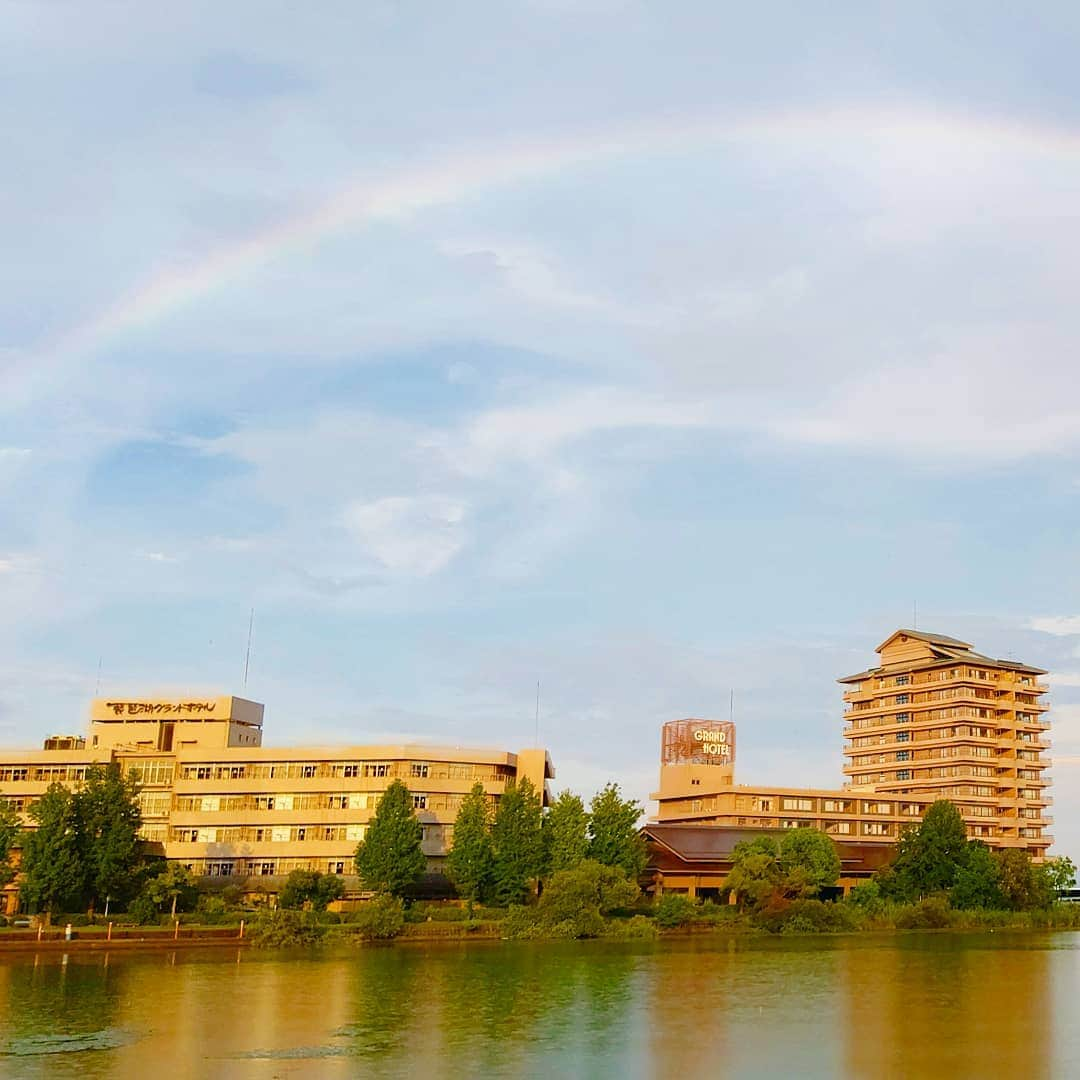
(932, 720)
(216, 800)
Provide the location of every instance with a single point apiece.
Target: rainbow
(473, 170)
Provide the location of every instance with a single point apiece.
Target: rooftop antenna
(731, 706)
(537, 729)
(247, 655)
(97, 685)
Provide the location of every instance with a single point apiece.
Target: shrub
(931, 913)
(808, 917)
(520, 922)
(867, 896)
(636, 927)
(280, 929)
(673, 909)
(438, 913)
(3, 921)
(214, 911)
(380, 918)
(143, 910)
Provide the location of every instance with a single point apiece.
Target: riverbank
(89, 938)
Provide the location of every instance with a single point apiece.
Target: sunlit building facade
(932, 720)
(216, 800)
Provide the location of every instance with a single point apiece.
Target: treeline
(502, 856)
(937, 878)
(560, 873)
(84, 853)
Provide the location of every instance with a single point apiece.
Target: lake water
(917, 1005)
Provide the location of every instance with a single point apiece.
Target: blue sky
(649, 353)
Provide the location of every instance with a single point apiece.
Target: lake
(890, 1005)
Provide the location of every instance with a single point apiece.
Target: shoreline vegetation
(521, 871)
(672, 918)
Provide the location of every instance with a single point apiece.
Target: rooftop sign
(698, 742)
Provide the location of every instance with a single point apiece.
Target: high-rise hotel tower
(932, 720)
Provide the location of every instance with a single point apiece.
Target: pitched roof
(922, 635)
(696, 843)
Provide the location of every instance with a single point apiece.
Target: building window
(798, 804)
(419, 802)
(419, 768)
(903, 718)
(902, 680)
(903, 736)
(381, 769)
(903, 774)
(903, 755)
(901, 699)
(266, 869)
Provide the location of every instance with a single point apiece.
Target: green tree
(109, 819)
(470, 862)
(389, 859)
(579, 897)
(1022, 884)
(173, 884)
(310, 887)
(566, 833)
(517, 842)
(929, 855)
(9, 832)
(1060, 874)
(53, 869)
(976, 884)
(809, 862)
(614, 838)
(755, 873)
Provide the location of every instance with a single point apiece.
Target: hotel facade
(933, 719)
(216, 800)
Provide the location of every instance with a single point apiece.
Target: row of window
(344, 770)
(270, 867)
(288, 834)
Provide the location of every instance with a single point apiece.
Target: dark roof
(704, 843)
(715, 844)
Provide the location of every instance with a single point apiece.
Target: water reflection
(947, 1005)
(920, 1005)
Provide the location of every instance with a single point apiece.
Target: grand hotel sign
(698, 742)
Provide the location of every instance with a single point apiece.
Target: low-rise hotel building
(932, 720)
(216, 800)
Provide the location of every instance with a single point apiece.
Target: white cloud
(533, 432)
(13, 563)
(158, 556)
(1059, 625)
(418, 535)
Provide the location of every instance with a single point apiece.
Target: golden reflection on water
(864, 1006)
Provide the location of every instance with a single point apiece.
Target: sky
(649, 352)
